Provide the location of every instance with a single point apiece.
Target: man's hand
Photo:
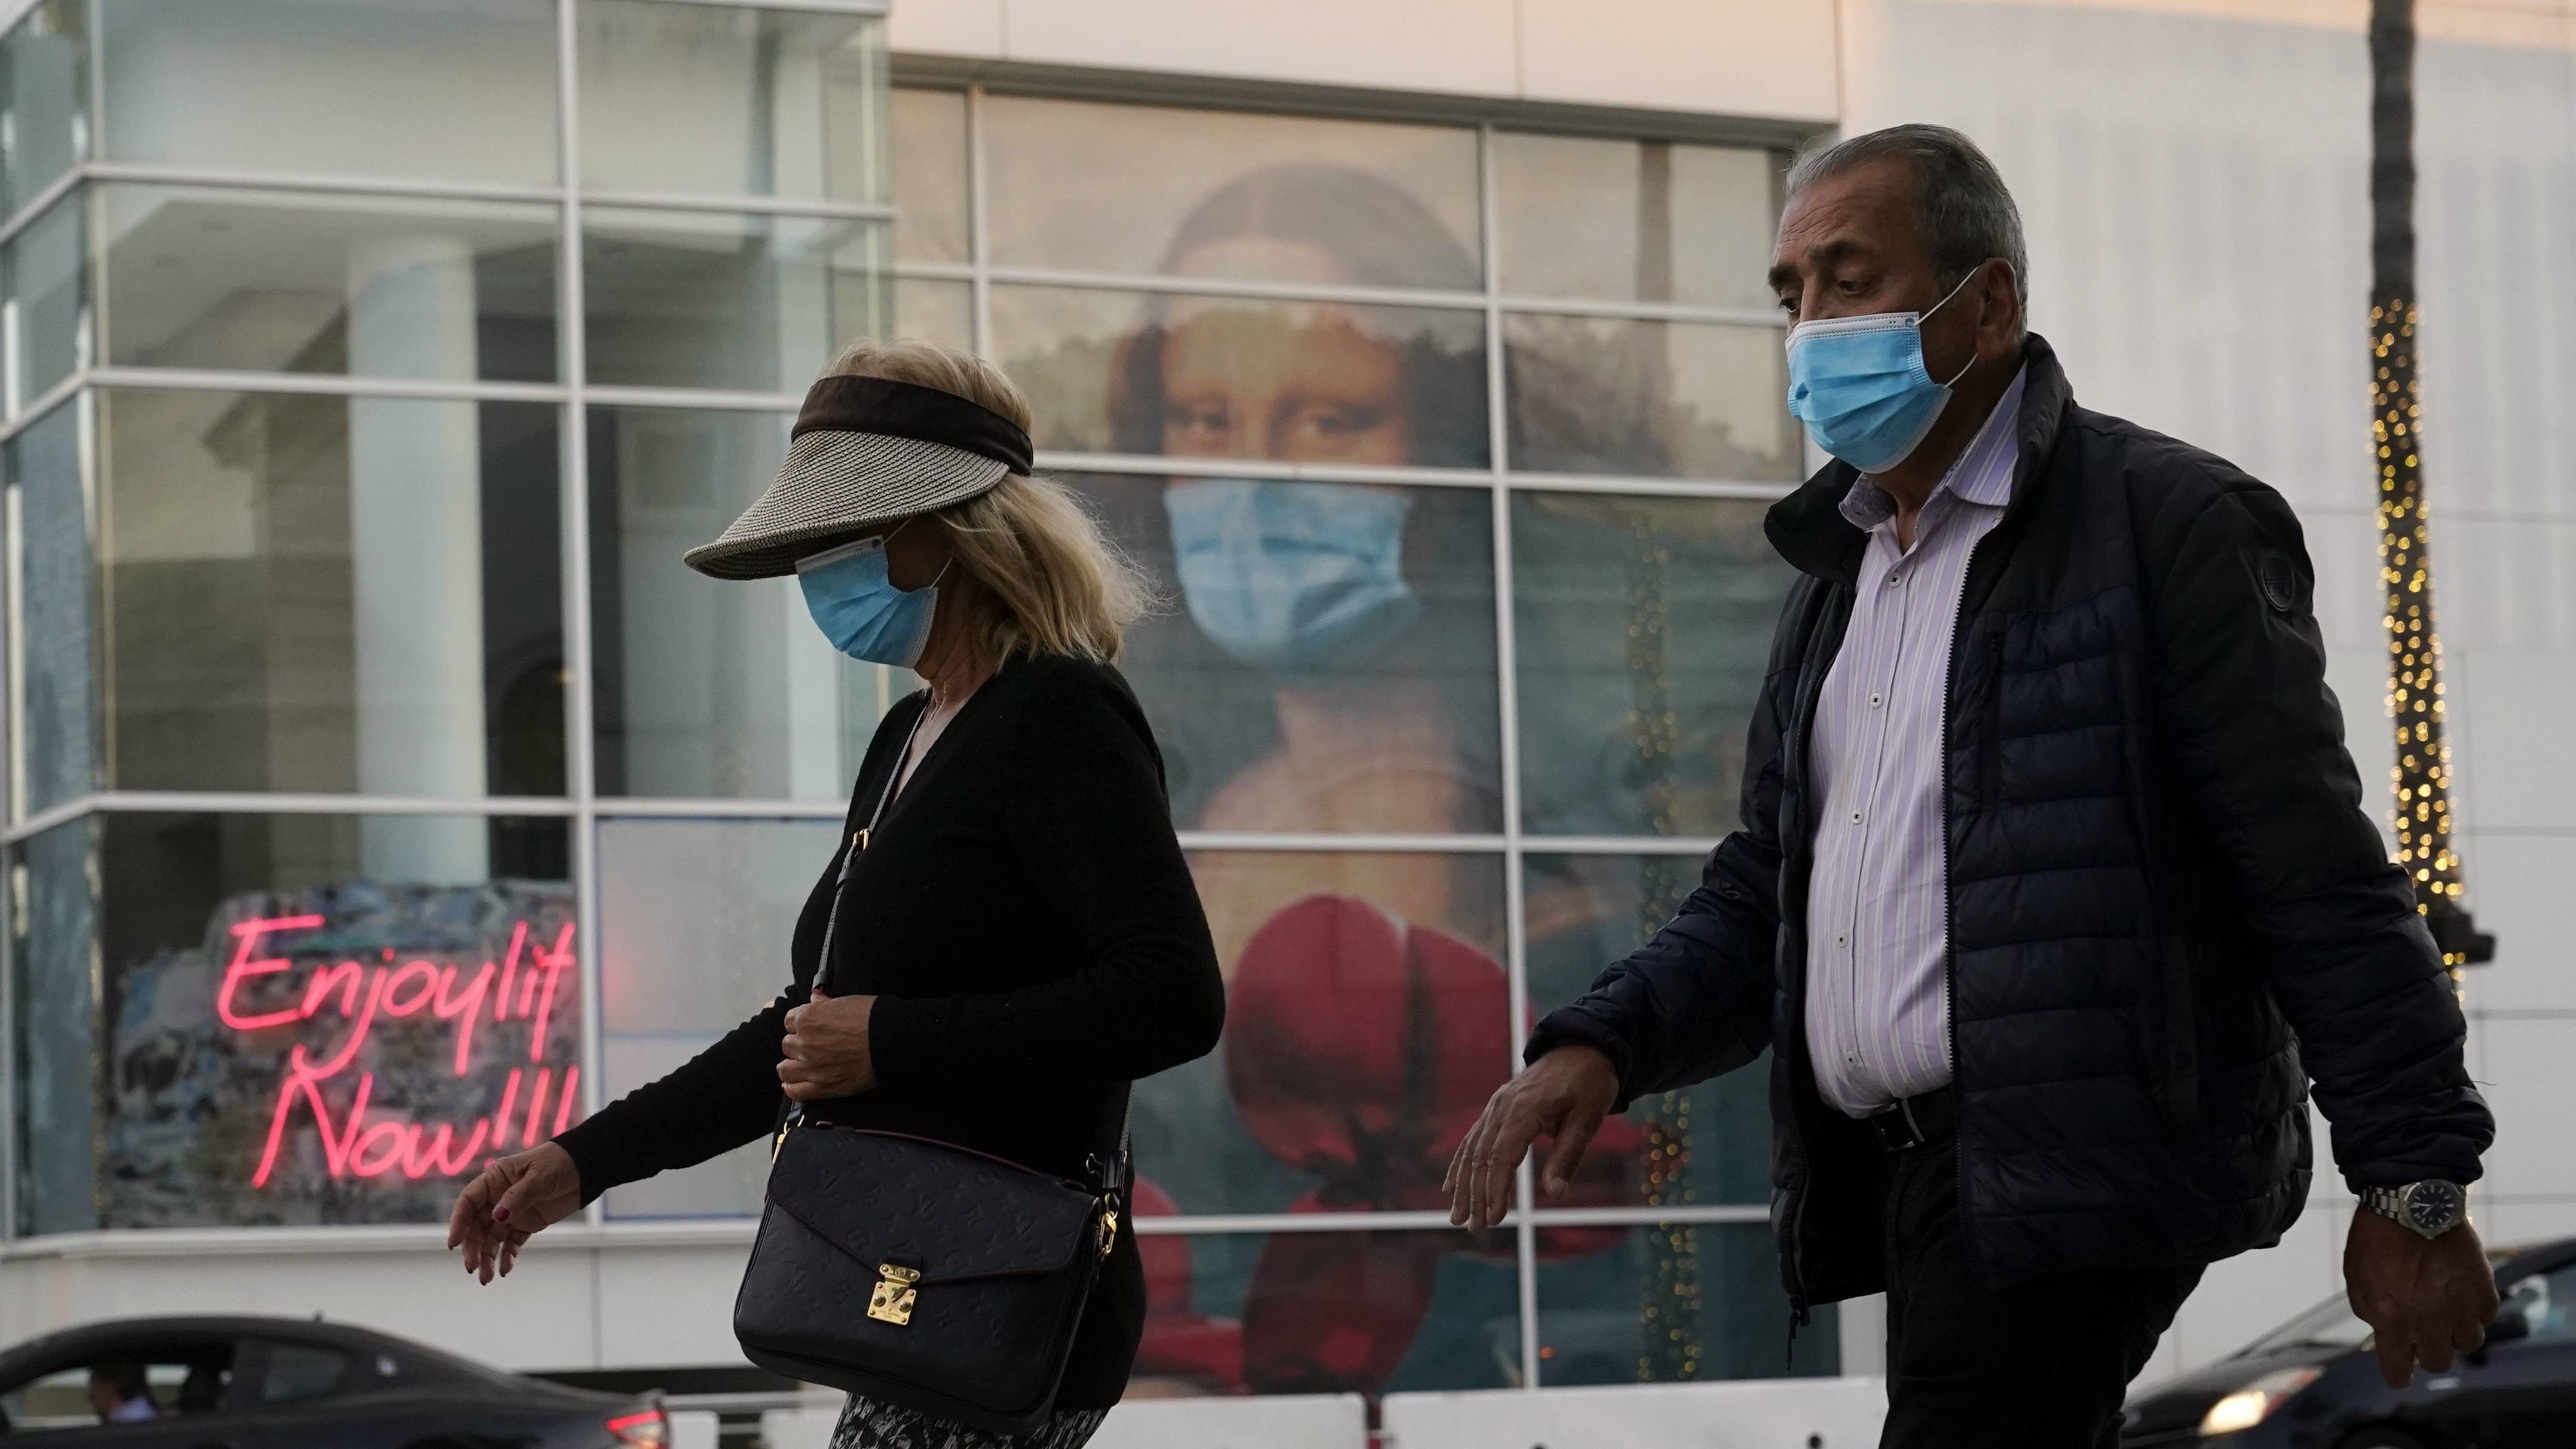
(509, 1199)
(1564, 1095)
(826, 1052)
(2424, 1299)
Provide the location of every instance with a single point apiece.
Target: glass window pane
(299, 1371)
(295, 85)
(1674, 1302)
(1368, 1018)
(1324, 1312)
(931, 220)
(1225, 194)
(719, 300)
(44, 99)
(331, 594)
(779, 102)
(53, 613)
(1709, 1144)
(299, 1018)
(1644, 626)
(1235, 377)
(1634, 221)
(54, 1010)
(695, 921)
(707, 688)
(1325, 661)
(292, 282)
(1648, 399)
(929, 311)
(44, 268)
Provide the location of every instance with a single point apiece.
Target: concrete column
(416, 558)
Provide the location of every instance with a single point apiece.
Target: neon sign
(535, 1100)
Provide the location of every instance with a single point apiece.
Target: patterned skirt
(866, 1424)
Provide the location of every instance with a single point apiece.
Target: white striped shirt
(1878, 921)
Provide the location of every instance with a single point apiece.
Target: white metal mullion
(860, 8)
(1609, 1217)
(624, 396)
(193, 379)
(1759, 490)
(820, 208)
(1507, 701)
(42, 201)
(239, 179)
(580, 761)
(1161, 464)
(43, 404)
(1238, 287)
(979, 288)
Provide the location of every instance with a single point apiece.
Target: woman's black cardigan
(1030, 930)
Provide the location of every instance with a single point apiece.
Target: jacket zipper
(1950, 899)
(1801, 726)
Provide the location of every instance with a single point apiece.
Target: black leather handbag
(923, 1274)
(920, 1273)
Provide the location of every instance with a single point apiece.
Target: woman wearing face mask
(1008, 936)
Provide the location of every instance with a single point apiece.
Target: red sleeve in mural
(1358, 1049)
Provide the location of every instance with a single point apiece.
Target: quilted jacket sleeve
(2256, 742)
(1695, 1000)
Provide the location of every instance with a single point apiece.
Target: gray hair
(1968, 216)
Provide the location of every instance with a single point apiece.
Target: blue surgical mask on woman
(856, 604)
(1292, 577)
(1860, 386)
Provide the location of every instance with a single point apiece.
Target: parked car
(283, 1383)
(2313, 1384)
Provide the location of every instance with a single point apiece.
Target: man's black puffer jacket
(2167, 910)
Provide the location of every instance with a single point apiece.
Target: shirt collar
(1983, 473)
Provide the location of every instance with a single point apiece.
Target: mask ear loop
(1944, 302)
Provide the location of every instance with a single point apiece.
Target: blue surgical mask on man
(1292, 577)
(1860, 386)
(856, 604)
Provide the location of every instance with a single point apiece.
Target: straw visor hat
(866, 452)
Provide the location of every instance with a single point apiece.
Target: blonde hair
(1056, 584)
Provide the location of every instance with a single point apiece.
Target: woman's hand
(510, 1199)
(826, 1051)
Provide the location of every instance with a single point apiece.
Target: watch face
(2433, 1206)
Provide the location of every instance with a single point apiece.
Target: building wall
(1744, 58)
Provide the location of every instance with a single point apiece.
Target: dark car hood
(2180, 1404)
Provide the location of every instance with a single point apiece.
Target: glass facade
(384, 793)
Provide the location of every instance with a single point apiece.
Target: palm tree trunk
(2423, 773)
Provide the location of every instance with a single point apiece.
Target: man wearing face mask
(2053, 893)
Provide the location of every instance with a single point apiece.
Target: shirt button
(1855, 817)
(1841, 940)
(1851, 1059)
(1896, 578)
(1876, 700)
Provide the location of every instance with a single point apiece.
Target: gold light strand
(2421, 777)
(1669, 1316)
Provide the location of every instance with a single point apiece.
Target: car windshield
(2331, 1324)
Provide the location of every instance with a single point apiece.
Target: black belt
(1914, 1121)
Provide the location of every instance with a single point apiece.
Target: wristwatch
(2430, 1208)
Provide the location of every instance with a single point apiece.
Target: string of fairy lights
(1669, 1316)
(2421, 776)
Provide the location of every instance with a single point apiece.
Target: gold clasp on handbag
(1108, 1229)
(892, 1301)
